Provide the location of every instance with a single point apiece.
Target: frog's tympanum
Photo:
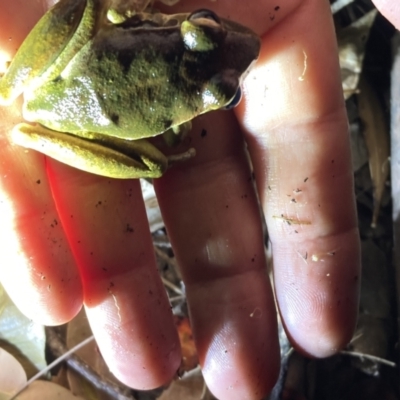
(98, 82)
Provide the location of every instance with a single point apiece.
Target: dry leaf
(376, 134)
(351, 43)
(21, 336)
(190, 359)
(42, 390)
(190, 387)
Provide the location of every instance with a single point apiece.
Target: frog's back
(126, 83)
(137, 79)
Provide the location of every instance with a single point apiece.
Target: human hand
(65, 233)
(390, 9)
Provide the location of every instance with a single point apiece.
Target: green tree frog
(98, 84)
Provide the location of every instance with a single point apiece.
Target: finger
(112, 324)
(214, 224)
(297, 132)
(390, 9)
(14, 30)
(125, 301)
(211, 213)
(36, 266)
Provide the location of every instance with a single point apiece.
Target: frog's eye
(202, 31)
(235, 101)
(204, 13)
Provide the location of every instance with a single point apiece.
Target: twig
(369, 357)
(82, 368)
(77, 364)
(53, 364)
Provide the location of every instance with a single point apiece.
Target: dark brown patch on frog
(115, 118)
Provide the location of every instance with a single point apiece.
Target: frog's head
(219, 52)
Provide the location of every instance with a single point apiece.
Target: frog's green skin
(97, 89)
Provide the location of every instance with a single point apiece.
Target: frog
(100, 84)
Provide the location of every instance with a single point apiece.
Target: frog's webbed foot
(176, 134)
(120, 11)
(106, 156)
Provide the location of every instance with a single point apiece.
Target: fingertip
(159, 374)
(318, 296)
(44, 306)
(234, 376)
(390, 9)
(140, 357)
(320, 343)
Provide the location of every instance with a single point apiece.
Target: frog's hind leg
(54, 40)
(111, 157)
